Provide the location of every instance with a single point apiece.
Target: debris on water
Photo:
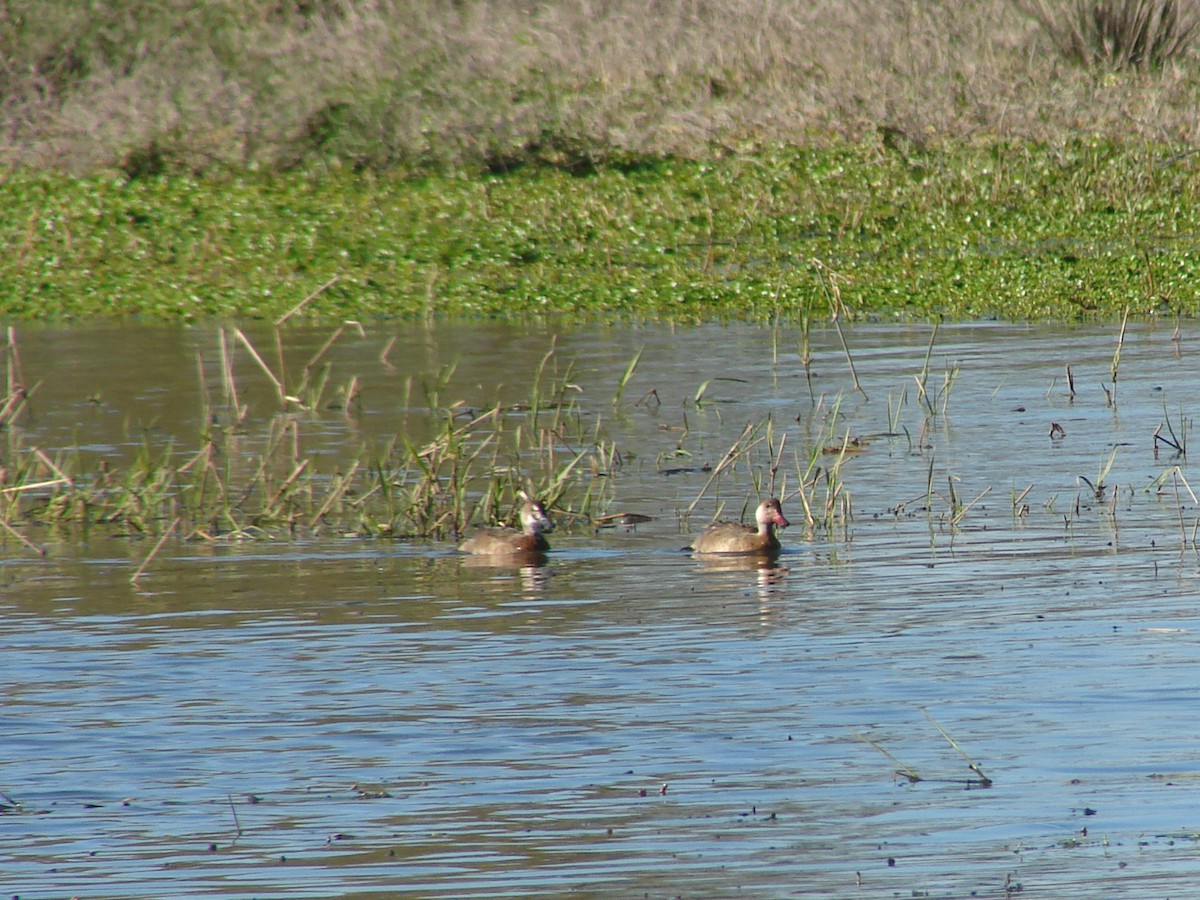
(370, 791)
(627, 519)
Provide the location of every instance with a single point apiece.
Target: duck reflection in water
(531, 568)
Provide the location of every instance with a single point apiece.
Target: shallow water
(342, 717)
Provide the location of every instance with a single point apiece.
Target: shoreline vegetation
(685, 160)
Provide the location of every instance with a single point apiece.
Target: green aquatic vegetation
(1081, 230)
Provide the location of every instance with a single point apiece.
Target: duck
(508, 541)
(734, 537)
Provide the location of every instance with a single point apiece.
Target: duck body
(736, 538)
(509, 541)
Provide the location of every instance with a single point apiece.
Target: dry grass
(1118, 34)
(494, 83)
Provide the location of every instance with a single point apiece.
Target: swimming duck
(501, 541)
(733, 537)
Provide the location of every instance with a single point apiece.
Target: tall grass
(1118, 34)
(471, 467)
(174, 85)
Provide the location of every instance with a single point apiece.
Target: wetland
(968, 673)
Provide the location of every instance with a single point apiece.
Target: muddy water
(344, 717)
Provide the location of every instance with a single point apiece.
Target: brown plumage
(733, 537)
(505, 541)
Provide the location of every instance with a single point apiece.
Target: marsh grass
(936, 400)
(1118, 34)
(473, 468)
(764, 453)
(820, 487)
(831, 288)
(1115, 367)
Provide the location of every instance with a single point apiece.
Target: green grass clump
(1021, 232)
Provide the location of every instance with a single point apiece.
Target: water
(347, 717)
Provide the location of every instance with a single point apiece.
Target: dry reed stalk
(319, 355)
(204, 454)
(777, 460)
(971, 764)
(16, 375)
(40, 551)
(283, 398)
(1179, 474)
(961, 511)
(902, 770)
(133, 579)
(1116, 360)
(735, 452)
(303, 303)
(352, 392)
(338, 491)
(22, 488)
(13, 406)
(53, 467)
(323, 349)
(1179, 509)
(809, 518)
(281, 361)
(236, 824)
(229, 380)
(833, 293)
(269, 507)
(19, 392)
(387, 350)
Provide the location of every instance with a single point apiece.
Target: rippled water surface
(341, 716)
